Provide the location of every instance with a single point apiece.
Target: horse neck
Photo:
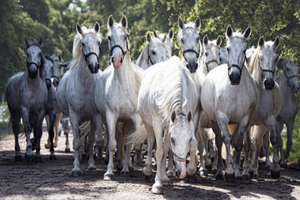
(202, 67)
(34, 82)
(142, 61)
(283, 82)
(256, 74)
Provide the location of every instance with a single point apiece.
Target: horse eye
(153, 52)
(82, 44)
(227, 50)
(172, 140)
(197, 39)
(108, 37)
(182, 41)
(99, 43)
(205, 53)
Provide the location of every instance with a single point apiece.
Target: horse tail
(84, 130)
(138, 137)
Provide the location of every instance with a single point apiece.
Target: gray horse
(289, 85)
(26, 94)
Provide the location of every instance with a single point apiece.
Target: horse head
(157, 51)
(48, 69)
(188, 36)
(58, 69)
(211, 54)
(181, 139)
(90, 46)
(118, 42)
(291, 72)
(34, 56)
(236, 50)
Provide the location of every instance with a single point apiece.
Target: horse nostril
(121, 60)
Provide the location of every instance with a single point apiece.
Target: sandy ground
(53, 180)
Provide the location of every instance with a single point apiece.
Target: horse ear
(261, 41)
(229, 31)
(219, 41)
(205, 40)
(247, 33)
(164, 38)
(40, 42)
(276, 42)
(198, 23)
(189, 116)
(180, 23)
(59, 58)
(171, 34)
(78, 29)
(173, 116)
(110, 21)
(53, 55)
(26, 42)
(97, 27)
(148, 37)
(124, 21)
(155, 33)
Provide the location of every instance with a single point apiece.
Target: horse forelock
(77, 48)
(236, 34)
(172, 94)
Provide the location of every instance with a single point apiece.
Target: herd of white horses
(213, 102)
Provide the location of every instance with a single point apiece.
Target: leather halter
(207, 63)
(118, 46)
(241, 69)
(190, 50)
(180, 159)
(91, 53)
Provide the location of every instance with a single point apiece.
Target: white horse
(209, 61)
(289, 86)
(230, 96)
(26, 95)
(168, 40)
(75, 92)
(117, 90)
(166, 101)
(262, 68)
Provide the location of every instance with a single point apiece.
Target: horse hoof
(146, 177)
(283, 165)
(255, 176)
(47, 146)
(203, 173)
(18, 158)
(192, 178)
(124, 173)
(214, 171)
(38, 159)
(119, 169)
(157, 189)
(251, 173)
(246, 177)
(108, 177)
(275, 175)
(169, 173)
(76, 173)
(92, 168)
(238, 180)
(29, 158)
(229, 178)
(219, 177)
(67, 150)
(52, 157)
(131, 170)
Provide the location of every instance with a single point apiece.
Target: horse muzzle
(94, 68)
(192, 66)
(33, 70)
(48, 83)
(235, 75)
(269, 83)
(295, 88)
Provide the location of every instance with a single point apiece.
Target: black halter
(190, 50)
(118, 46)
(91, 53)
(241, 69)
(289, 77)
(207, 63)
(267, 70)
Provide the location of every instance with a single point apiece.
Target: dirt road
(53, 180)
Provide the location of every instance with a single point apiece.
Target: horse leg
(201, 148)
(126, 162)
(170, 171)
(275, 168)
(289, 142)
(138, 156)
(147, 170)
(192, 166)
(15, 120)
(266, 145)
(27, 128)
(120, 147)
(66, 133)
(157, 187)
(207, 161)
(91, 141)
(279, 127)
(219, 142)
(39, 132)
(48, 141)
(74, 120)
(166, 144)
(247, 150)
(98, 151)
(56, 127)
(52, 117)
(111, 119)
